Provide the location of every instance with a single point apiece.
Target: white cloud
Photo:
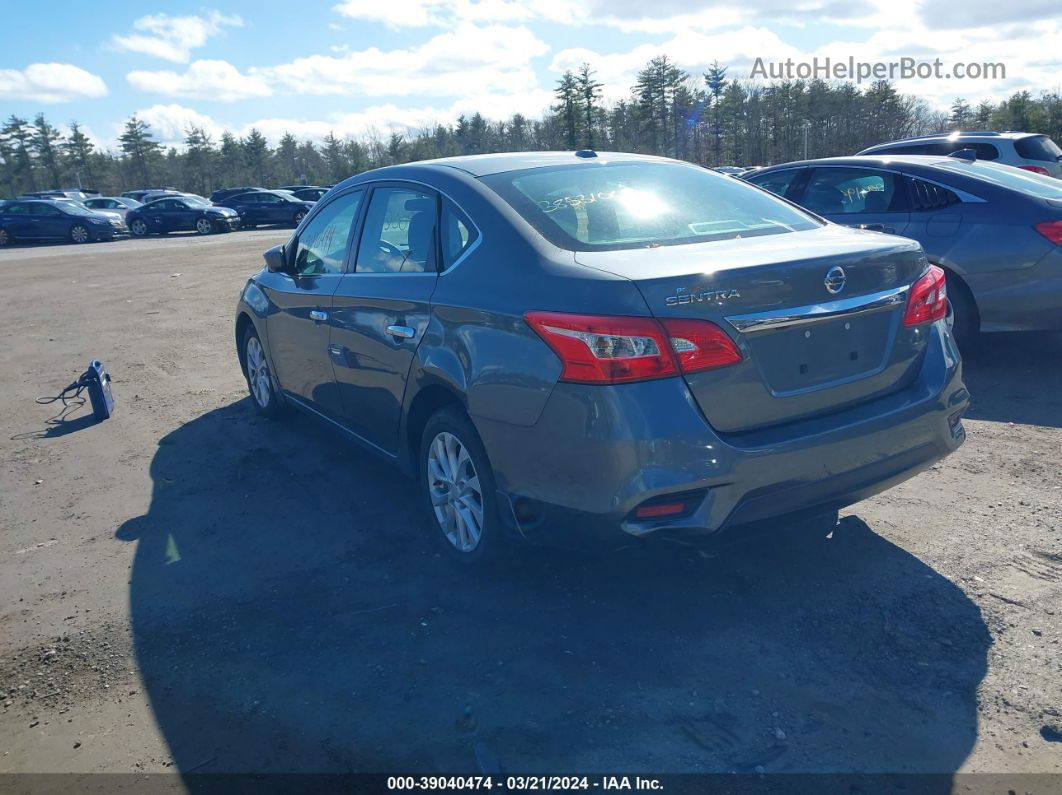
(50, 82)
(173, 38)
(170, 122)
(439, 13)
(468, 58)
(218, 80)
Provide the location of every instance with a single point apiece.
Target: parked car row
(78, 217)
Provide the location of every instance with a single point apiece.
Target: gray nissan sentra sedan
(561, 344)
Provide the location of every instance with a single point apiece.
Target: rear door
(301, 304)
(247, 207)
(50, 222)
(18, 221)
(864, 198)
(273, 209)
(382, 308)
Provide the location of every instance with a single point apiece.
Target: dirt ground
(188, 588)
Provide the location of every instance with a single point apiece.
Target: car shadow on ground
(1015, 378)
(289, 614)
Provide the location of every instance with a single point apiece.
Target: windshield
(1008, 177)
(74, 208)
(591, 207)
(195, 201)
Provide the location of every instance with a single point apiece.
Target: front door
(382, 308)
(301, 304)
(859, 197)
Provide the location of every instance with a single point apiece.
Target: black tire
(138, 228)
(297, 218)
(205, 228)
(6, 238)
(79, 233)
(966, 322)
(263, 390)
(493, 546)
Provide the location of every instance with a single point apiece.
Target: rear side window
(927, 196)
(16, 209)
(606, 206)
(458, 233)
(1037, 147)
(399, 232)
(776, 182)
(322, 244)
(839, 191)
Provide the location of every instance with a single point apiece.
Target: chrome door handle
(405, 332)
(317, 316)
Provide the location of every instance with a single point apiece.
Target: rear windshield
(600, 207)
(1007, 177)
(1037, 147)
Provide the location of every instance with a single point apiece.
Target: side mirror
(276, 259)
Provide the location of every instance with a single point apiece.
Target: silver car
(1029, 151)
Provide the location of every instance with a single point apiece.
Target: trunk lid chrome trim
(814, 313)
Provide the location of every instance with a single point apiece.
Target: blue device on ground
(98, 382)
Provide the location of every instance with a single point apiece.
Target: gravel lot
(189, 588)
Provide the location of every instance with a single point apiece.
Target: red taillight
(596, 349)
(1052, 230)
(928, 301)
(659, 509)
(1036, 170)
(700, 345)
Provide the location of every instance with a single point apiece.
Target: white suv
(1030, 151)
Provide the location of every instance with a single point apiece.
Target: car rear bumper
(597, 453)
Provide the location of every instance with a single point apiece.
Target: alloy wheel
(454, 488)
(79, 234)
(138, 228)
(5, 238)
(203, 226)
(258, 373)
(298, 217)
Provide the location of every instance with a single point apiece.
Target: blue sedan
(267, 207)
(41, 219)
(994, 229)
(181, 214)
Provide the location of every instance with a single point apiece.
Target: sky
(358, 65)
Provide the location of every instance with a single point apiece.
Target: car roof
(960, 135)
(881, 160)
(484, 165)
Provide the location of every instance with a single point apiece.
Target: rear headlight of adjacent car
(1036, 170)
(928, 300)
(1052, 230)
(596, 349)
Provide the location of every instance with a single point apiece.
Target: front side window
(606, 206)
(322, 245)
(777, 182)
(16, 209)
(458, 233)
(43, 209)
(399, 233)
(839, 191)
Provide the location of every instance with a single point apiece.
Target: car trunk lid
(816, 314)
